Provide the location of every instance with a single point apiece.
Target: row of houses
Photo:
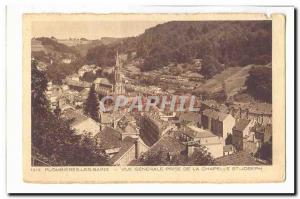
(122, 145)
(210, 129)
(62, 96)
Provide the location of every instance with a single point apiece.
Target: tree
(38, 87)
(52, 137)
(91, 107)
(265, 152)
(210, 67)
(101, 55)
(89, 76)
(259, 83)
(154, 159)
(201, 157)
(228, 140)
(162, 158)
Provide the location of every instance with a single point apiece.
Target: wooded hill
(232, 43)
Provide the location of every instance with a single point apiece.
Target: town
(229, 133)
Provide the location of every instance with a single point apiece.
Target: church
(104, 86)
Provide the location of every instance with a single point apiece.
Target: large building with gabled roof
(104, 86)
(219, 123)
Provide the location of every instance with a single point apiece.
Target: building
(75, 83)
(241, 133)
(168, 148)
(81, 123)
(75, 77)
(258, 135)
(194, 137)
(218, 123)
(152, 128)
(189, 117)
(66, 61)
(88, 68)
(239, 158)
(121, 149)
(105, 86)
(53, 94)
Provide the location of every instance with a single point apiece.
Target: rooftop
(215, 114)
(74, 116)
(239, 158)
(241, 124)
(109, 138)
(189, 116)
(100, 80)
(126, 144)
(196, 132)
(167, 144)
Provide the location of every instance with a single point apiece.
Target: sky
(90, 29)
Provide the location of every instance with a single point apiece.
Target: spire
(117, 60)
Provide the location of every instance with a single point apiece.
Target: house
(263, 132)
(53, 93)
(66, 61)
(127, 124)
(121, 150)
(195, 137)
(75, 77)
(190, 117)
(75, 83)
(239, 158)
(153, 128)
(218, 123)
(81, 123)
(259, 135)
(241, 132)
(168, 148)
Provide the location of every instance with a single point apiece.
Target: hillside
(231, 43)
(220, 45)
(54, 55)
(233, 77)
(244, 84)
(83, 48)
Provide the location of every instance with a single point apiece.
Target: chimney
(137, 149)
(190, 150)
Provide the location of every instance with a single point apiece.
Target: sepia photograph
(86, 88)
(150, 92)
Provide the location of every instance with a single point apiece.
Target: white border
(15, 183)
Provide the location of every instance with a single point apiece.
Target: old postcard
(168, 98)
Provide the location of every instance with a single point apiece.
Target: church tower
(118, 85)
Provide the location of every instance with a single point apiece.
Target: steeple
(118, 87)
(117, 61)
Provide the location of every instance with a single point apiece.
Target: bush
(259, 83)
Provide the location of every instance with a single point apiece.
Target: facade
(130, 150)
(218, 123)
(195, 137)
(103, 86)
(153, 128)
(241, 133)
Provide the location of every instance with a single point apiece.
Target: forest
(232, 43)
